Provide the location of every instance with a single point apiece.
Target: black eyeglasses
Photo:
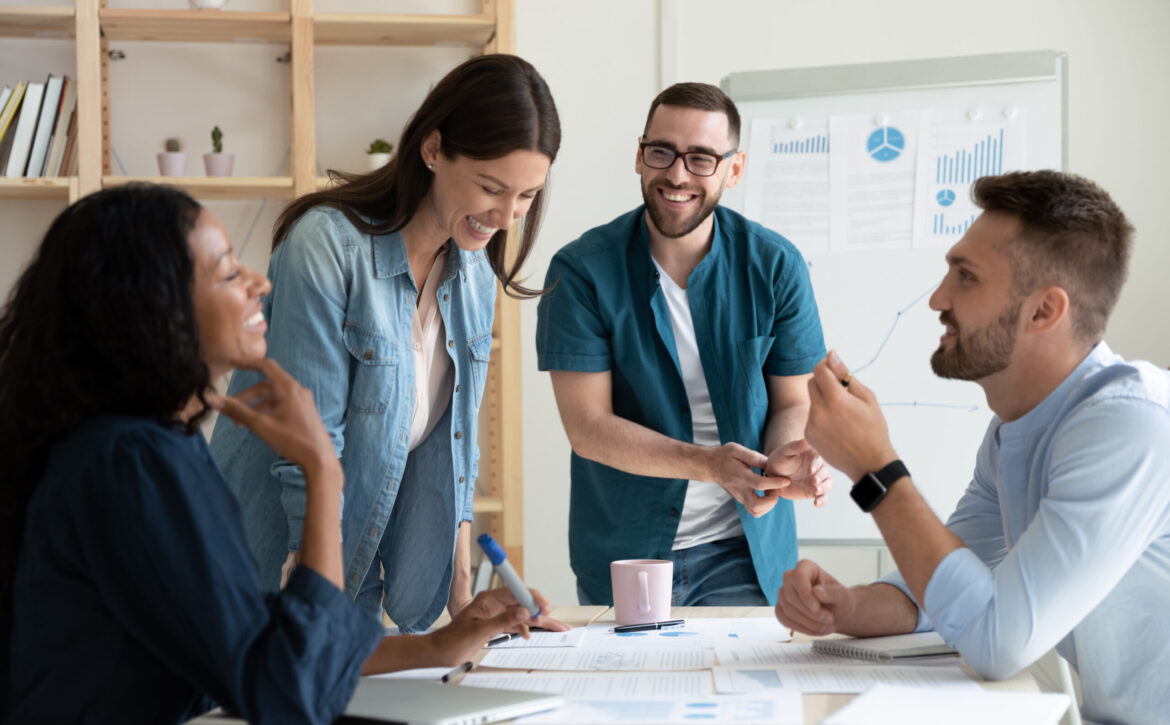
(698, 163)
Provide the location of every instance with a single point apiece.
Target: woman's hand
(281, 412)
(489, 614)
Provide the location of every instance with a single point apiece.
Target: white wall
(602, 61)
(604, 72)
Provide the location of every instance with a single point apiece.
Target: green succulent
(172, 145)
(380, 146)
(217, 140)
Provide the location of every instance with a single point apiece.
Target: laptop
(430, 703)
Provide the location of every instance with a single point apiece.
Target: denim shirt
(340, 316)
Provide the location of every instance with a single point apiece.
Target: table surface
(816, 706)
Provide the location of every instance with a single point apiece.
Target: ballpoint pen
(498, 640)
(648, 625)
(465, 667)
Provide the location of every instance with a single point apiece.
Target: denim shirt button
(461, 479)
(446, 297)
(458, 434)
(450, 343)
(368, 355)
(456, 388)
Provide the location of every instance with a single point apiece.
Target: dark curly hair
(101, 322)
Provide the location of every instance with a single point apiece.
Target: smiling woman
(382, 304)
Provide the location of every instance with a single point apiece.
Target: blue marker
(507, 574)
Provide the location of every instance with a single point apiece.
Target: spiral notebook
(887, 649)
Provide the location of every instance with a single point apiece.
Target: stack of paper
(886, 705)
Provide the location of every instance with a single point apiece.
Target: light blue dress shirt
(1067, 526)
(340, 316)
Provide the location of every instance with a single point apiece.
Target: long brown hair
(486, 108)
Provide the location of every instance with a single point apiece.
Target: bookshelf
(90, 25)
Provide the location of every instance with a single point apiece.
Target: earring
(430, 167)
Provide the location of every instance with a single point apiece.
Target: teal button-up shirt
(754, 315)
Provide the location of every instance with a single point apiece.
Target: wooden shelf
(219, 187)
(416, 30)
(54, 188)
(195, 26)
(36, 22)
(488, 505)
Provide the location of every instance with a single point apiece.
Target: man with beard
(680, 337)
(1063, 536)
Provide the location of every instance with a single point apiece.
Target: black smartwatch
(873, 487)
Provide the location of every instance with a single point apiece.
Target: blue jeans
(719, 573)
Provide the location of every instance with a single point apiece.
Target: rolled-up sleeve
(570, 333)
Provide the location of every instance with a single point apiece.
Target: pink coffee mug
(641, 590)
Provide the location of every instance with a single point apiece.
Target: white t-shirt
(709, 513)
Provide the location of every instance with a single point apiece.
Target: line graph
(894, 326)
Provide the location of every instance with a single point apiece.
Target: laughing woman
(126, 584)
(383, 293)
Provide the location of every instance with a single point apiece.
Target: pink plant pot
(218, 164)
(172, 163)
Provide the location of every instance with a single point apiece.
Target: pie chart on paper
(946, 197)
(885, 144)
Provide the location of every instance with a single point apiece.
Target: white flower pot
(218, 164)
(207, 4)
(172, 163)
(377, 161)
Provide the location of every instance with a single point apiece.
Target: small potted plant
(172, 161)
(378, 154)
(217, 162)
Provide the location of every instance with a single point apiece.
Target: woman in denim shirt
(382, 305)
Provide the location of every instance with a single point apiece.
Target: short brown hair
(704, 97)
(1072, 235)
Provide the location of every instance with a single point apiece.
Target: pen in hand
(465, 667)
(507, 574)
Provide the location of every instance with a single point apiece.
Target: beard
(984, 352)
(673, 227)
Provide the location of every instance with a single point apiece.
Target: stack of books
(38, 126)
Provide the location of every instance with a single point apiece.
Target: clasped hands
(793, 471)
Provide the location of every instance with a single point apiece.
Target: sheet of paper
(825, 678)
(888, 705)
(787, 179)
(590, 659)
(422, 673)
(872, 165)
(600, 685)
(765, 653)
(697, 632)
(774, 708)
(958, 147)
(572, 638)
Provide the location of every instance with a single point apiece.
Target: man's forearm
(784, 426)
(917, 539)
(633, 448)
(460, 593)
(881, 609)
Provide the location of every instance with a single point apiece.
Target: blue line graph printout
(959, 147)
(787, 178)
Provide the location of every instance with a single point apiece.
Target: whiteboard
(874, 303)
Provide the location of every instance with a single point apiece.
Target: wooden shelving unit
(91, 25)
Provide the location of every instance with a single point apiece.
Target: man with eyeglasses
(680, 338)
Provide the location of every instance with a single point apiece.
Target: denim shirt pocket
(479, 348)
(752, 354)
(372, 372)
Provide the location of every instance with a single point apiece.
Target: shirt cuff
(573, 362)
(957, 592)
(895, 579)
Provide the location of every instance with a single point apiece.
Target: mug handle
(643, 593)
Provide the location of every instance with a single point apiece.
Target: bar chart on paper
(813, 144)
(958, 151)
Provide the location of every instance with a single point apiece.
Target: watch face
(868, 492)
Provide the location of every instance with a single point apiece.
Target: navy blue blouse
(137, 597)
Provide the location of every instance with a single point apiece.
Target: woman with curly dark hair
(126, 582)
